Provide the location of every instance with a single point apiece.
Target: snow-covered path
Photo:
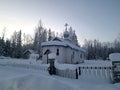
(13, 78)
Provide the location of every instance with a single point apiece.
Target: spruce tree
(19, 45)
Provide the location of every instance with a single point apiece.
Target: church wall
(73, 58)
(69, 52)
(62, 54)
(44, 57)
(65, 54)
(53, 49)
(76, 57)
(82, 56)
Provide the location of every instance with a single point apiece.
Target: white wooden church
(66, 48)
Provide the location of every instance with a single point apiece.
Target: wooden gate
(116, 71)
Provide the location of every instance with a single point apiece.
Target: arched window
(57, 52)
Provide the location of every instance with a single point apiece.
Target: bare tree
(49, 35)
(3, 33)
(39, 38)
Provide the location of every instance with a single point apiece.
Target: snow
(32, 82)
(114, 57)
(3, 57)
(24, 63)
(65, 66)
(57, 43)
(52, 56)
(87, 63)
(34, 56)
(96, 63)
(17, 78)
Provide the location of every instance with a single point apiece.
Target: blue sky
(92, 19)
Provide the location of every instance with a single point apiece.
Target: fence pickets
(104, 72)
(97, 72)
(66, 73)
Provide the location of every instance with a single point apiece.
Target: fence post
(79, 71)
(76, 74)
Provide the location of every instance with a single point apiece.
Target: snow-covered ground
(18, 78)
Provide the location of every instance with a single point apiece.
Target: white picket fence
(85, 71)
(35, 67)
(27, 66)
(66, 73)
(97, 72)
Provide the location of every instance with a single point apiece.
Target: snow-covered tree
(49, 35)
(13, 44)
(16, 45)
(7, 48)
(19, 44)
(44, 35)
(2, 47)
(39, 38)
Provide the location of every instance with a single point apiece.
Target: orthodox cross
(66, 26)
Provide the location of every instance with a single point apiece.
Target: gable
(28, 51)
(47, 52)
(57, 39)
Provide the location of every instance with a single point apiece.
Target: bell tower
(66, 33)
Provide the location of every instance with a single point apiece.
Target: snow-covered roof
(61, 42)
(52, 56)
(51, 43)
(29, 50)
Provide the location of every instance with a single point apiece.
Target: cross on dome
(66, 25)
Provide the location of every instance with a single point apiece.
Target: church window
(57, 52)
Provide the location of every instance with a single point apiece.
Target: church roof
(57, 43)
(61, 42)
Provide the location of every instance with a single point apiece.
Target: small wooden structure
(26, 54)
(116, 71)
(46, 53)
(51, 68)
(30, 54)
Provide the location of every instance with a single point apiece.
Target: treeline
(18, 43)
(98, 50)
(11, 47)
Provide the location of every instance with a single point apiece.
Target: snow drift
(31, 82)
(114, 57)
